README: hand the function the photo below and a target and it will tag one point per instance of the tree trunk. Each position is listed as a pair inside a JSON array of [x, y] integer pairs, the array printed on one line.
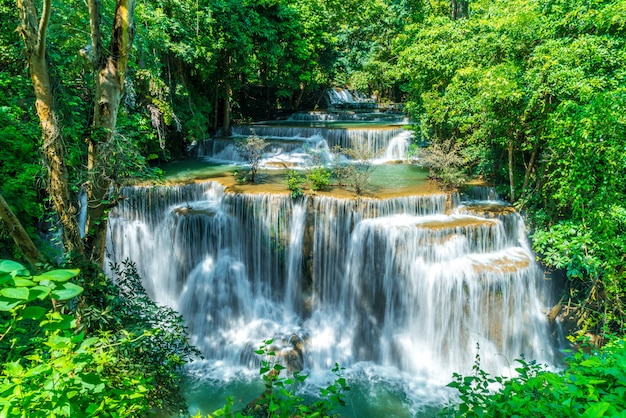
[[19, 235], [511, 173], [53, 151], [226, 120], [459, 9], [110, 73], [531, 166], [299, 99]]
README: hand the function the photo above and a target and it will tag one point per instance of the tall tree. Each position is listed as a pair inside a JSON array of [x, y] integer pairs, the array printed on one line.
[[110, 71], [33, 30]]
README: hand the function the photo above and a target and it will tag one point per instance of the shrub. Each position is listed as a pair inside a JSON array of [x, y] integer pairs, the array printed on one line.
[[48, 368], [280, 398], [295, 181], [318, 178], [358, 173], [593, 384], [444, 162]]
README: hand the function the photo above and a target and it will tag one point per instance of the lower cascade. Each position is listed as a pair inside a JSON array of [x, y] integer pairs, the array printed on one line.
[[402, 289]]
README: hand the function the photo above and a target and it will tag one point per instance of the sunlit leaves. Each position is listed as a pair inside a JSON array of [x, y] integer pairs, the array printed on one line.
[[47, 368], [593, 385]]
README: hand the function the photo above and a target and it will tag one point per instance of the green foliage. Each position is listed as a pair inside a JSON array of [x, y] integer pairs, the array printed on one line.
[[295, 181], [593, 384], [533, 94], [49, 369], [281, 398], [318, 178], [121, 308]]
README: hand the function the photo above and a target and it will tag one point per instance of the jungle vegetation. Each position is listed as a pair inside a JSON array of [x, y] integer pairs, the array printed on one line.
[[527, 95]]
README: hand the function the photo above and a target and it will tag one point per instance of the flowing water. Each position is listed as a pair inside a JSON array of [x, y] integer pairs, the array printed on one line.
[[400, 291]]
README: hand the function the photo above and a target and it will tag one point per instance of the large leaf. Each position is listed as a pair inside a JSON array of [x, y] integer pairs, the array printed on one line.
[[66, 291], [33, 312], [14, 268], [7, 304], [20, 293], [22, 282], [57, 275], [39, 292]]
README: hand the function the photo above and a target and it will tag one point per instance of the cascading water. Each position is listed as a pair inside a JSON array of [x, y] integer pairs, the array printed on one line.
[[397, 290], [291, 142]]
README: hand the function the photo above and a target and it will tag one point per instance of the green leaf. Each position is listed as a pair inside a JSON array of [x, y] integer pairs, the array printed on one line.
[[57, 275], [14, 268], [66, 291], [92, 408], [597, 410], [39, 292], [20, 293], [33, 312], [21, 282], [7, 305]]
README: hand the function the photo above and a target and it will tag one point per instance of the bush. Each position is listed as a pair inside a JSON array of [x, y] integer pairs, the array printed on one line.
[[357, 174], [444, 162], [50, 369], [121, 307], [294, 183], [592, 385], [280, 398], [318, 178]]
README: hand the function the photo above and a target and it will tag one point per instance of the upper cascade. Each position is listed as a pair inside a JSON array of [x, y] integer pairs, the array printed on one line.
[[312, 136], [342, 98]]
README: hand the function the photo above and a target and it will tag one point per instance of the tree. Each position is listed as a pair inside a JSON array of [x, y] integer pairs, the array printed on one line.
[[532, 92], [251, 150], [33, 30], [110, 73]]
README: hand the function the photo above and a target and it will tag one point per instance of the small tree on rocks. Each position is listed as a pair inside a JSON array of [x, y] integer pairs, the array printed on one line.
[[251, 150]]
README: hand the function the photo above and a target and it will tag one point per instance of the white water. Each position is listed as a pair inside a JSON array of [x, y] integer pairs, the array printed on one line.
[[288, 148], [343, 97], [398, 291]]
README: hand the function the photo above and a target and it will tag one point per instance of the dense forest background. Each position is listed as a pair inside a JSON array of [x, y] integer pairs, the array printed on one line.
[[530, 94]]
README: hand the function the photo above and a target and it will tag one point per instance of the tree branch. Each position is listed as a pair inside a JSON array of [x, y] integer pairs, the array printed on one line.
[[43, 28], [19, 235]]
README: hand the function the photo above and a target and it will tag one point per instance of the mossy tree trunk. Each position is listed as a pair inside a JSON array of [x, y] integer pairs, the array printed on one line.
[[110, 73], [33, 30]]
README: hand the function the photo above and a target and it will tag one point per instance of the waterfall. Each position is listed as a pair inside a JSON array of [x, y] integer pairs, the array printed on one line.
[[408, 283], [341, 97], [293, 144]]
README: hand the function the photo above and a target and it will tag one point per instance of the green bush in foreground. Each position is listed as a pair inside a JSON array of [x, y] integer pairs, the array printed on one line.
[[50, 370], [593, 384]]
